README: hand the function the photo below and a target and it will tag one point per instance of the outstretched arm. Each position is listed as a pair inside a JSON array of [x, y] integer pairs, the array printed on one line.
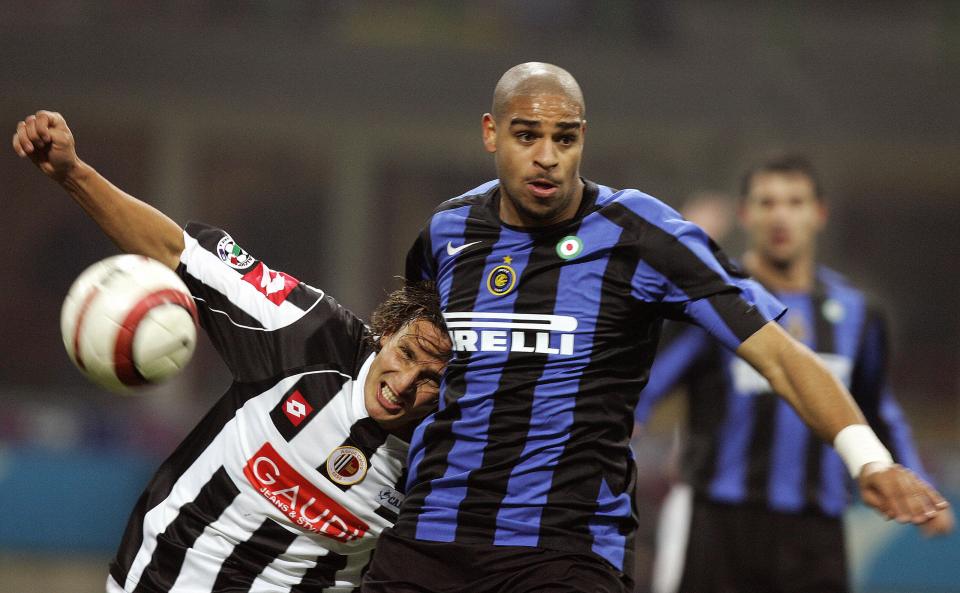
[[134, 226], [796, 374]]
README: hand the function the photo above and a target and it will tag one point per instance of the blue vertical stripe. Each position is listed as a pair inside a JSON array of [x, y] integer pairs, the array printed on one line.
[[735, 432]]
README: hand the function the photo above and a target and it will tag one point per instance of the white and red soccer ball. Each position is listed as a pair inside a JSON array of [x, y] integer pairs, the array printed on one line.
[[127, 321]]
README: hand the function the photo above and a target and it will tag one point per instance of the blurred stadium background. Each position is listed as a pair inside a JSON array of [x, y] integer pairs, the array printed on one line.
[[321, 133]]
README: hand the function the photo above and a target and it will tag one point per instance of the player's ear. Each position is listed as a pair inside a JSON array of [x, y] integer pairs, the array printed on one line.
[[488, 127]]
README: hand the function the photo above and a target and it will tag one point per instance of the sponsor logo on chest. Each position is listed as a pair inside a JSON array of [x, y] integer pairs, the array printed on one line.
[[511, 332], [302, 502]]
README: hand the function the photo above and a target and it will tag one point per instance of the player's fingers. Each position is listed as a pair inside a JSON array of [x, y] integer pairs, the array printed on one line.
[[25, 143], [901, 491], [16, 146], [44, 121], [910, 496], [31, 126], [920, 504]]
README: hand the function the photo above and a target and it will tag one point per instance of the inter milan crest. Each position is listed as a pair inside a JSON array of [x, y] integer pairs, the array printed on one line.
[[569, 247], [347, 465], [502, 279], [233, 254]]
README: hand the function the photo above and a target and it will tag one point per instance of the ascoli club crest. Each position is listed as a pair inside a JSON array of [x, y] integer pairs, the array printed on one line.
[[347, 465]]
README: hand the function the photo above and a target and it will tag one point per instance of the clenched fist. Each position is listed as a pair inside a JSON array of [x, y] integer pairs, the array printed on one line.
[[48, 142]]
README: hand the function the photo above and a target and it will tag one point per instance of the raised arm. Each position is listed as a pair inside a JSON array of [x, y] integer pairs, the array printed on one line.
[[796, 374], [134, 226]]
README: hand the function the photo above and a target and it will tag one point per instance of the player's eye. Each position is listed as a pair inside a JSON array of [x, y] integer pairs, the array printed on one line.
[[568, 139], [524, 136]]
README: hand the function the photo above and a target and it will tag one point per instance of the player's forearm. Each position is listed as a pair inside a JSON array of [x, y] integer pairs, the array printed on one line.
[[797, 375], [817, 395], [134, 226]]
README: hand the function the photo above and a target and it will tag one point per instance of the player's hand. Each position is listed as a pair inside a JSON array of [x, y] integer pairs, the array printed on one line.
[[48, 142], [941, 524], [899, 494]]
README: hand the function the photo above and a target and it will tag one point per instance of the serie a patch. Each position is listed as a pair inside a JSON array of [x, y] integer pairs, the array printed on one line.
[[233, 255]]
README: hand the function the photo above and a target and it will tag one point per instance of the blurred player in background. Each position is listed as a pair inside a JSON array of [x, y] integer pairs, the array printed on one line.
[[767, 495], [287, 482], [554, 289]]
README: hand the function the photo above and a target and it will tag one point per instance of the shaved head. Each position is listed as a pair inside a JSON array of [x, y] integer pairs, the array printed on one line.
[[535, 78]]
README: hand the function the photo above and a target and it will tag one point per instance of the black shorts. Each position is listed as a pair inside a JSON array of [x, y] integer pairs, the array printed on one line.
[[403, 565], [749, 549]]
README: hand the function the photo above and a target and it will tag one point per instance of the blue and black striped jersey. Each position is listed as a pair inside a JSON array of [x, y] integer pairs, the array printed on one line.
[[554, 331], [748, 446]]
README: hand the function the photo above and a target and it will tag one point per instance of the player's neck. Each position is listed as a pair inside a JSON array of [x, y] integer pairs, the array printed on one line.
[[798, 275]]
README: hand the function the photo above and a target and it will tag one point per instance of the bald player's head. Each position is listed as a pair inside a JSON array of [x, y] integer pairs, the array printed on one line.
[[535, 78]]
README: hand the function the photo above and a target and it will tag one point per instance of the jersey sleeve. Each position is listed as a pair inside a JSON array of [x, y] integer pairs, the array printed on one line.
[[419, 263], [261, 321], [683, 269], [870, 387]]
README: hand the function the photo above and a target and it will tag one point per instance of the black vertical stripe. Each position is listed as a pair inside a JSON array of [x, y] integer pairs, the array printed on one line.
[[870, 374], [824, 333], [761, 441], [709, 386], [322, 574], [367, 436], [462, 296], [509, 419], [418, 264], [249, 558], [179, 536]]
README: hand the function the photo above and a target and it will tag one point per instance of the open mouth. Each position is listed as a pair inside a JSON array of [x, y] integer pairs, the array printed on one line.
[[389, 400], [542, 188]]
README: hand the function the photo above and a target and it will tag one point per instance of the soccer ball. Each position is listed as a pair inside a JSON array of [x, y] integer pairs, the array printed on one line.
[[127, 321]]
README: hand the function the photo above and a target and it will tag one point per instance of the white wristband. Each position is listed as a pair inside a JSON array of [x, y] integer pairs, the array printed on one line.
[[858, 445]]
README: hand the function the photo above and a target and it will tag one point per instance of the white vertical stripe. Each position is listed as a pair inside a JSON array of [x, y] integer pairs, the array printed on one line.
[[184, 491]]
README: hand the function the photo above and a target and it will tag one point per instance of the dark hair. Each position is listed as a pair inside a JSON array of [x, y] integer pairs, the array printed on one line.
[[416, 300], [783, 163]]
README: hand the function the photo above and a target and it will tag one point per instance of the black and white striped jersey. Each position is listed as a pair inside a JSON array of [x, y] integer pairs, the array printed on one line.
[[287, 482]]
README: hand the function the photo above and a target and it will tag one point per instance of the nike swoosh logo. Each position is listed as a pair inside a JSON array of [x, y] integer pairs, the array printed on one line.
[[451, 250]]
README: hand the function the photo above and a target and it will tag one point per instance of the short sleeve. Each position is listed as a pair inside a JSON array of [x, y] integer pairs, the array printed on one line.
[[263, 321], [683, 269], [418, 263]]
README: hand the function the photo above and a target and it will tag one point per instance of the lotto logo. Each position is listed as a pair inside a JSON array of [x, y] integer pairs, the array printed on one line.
[[296, 408], [276, 286]]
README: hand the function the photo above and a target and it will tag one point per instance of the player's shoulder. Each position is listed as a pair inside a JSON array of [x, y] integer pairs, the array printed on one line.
[[214, 261], [640, 204], [636, 211], [220, 243], [477, 195]]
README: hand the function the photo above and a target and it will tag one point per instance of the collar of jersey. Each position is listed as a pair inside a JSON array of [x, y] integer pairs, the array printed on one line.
[[587, 205]]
